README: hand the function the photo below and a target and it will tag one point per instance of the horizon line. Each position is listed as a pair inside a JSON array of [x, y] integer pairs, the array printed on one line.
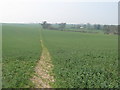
[[52, 23]]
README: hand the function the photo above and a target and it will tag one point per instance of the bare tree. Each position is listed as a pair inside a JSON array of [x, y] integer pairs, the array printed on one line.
[[45, 25]]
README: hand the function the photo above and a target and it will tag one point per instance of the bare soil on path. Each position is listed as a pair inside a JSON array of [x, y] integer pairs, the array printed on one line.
[[43, 71]]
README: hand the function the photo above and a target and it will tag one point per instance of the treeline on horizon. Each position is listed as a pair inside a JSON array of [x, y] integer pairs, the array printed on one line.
[[85, 28], [107, 29]]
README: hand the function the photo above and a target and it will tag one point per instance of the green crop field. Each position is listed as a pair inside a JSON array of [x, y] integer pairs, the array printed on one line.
[[81, 60], [21, 51]]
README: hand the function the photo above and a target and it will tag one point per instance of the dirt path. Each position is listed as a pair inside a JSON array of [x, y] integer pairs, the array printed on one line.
[[43, 71]]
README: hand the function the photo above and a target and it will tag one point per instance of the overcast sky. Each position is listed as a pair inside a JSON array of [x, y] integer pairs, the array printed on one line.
[[72, 11]]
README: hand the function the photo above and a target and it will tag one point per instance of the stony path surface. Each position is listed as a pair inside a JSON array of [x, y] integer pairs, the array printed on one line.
[[43, 71]]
